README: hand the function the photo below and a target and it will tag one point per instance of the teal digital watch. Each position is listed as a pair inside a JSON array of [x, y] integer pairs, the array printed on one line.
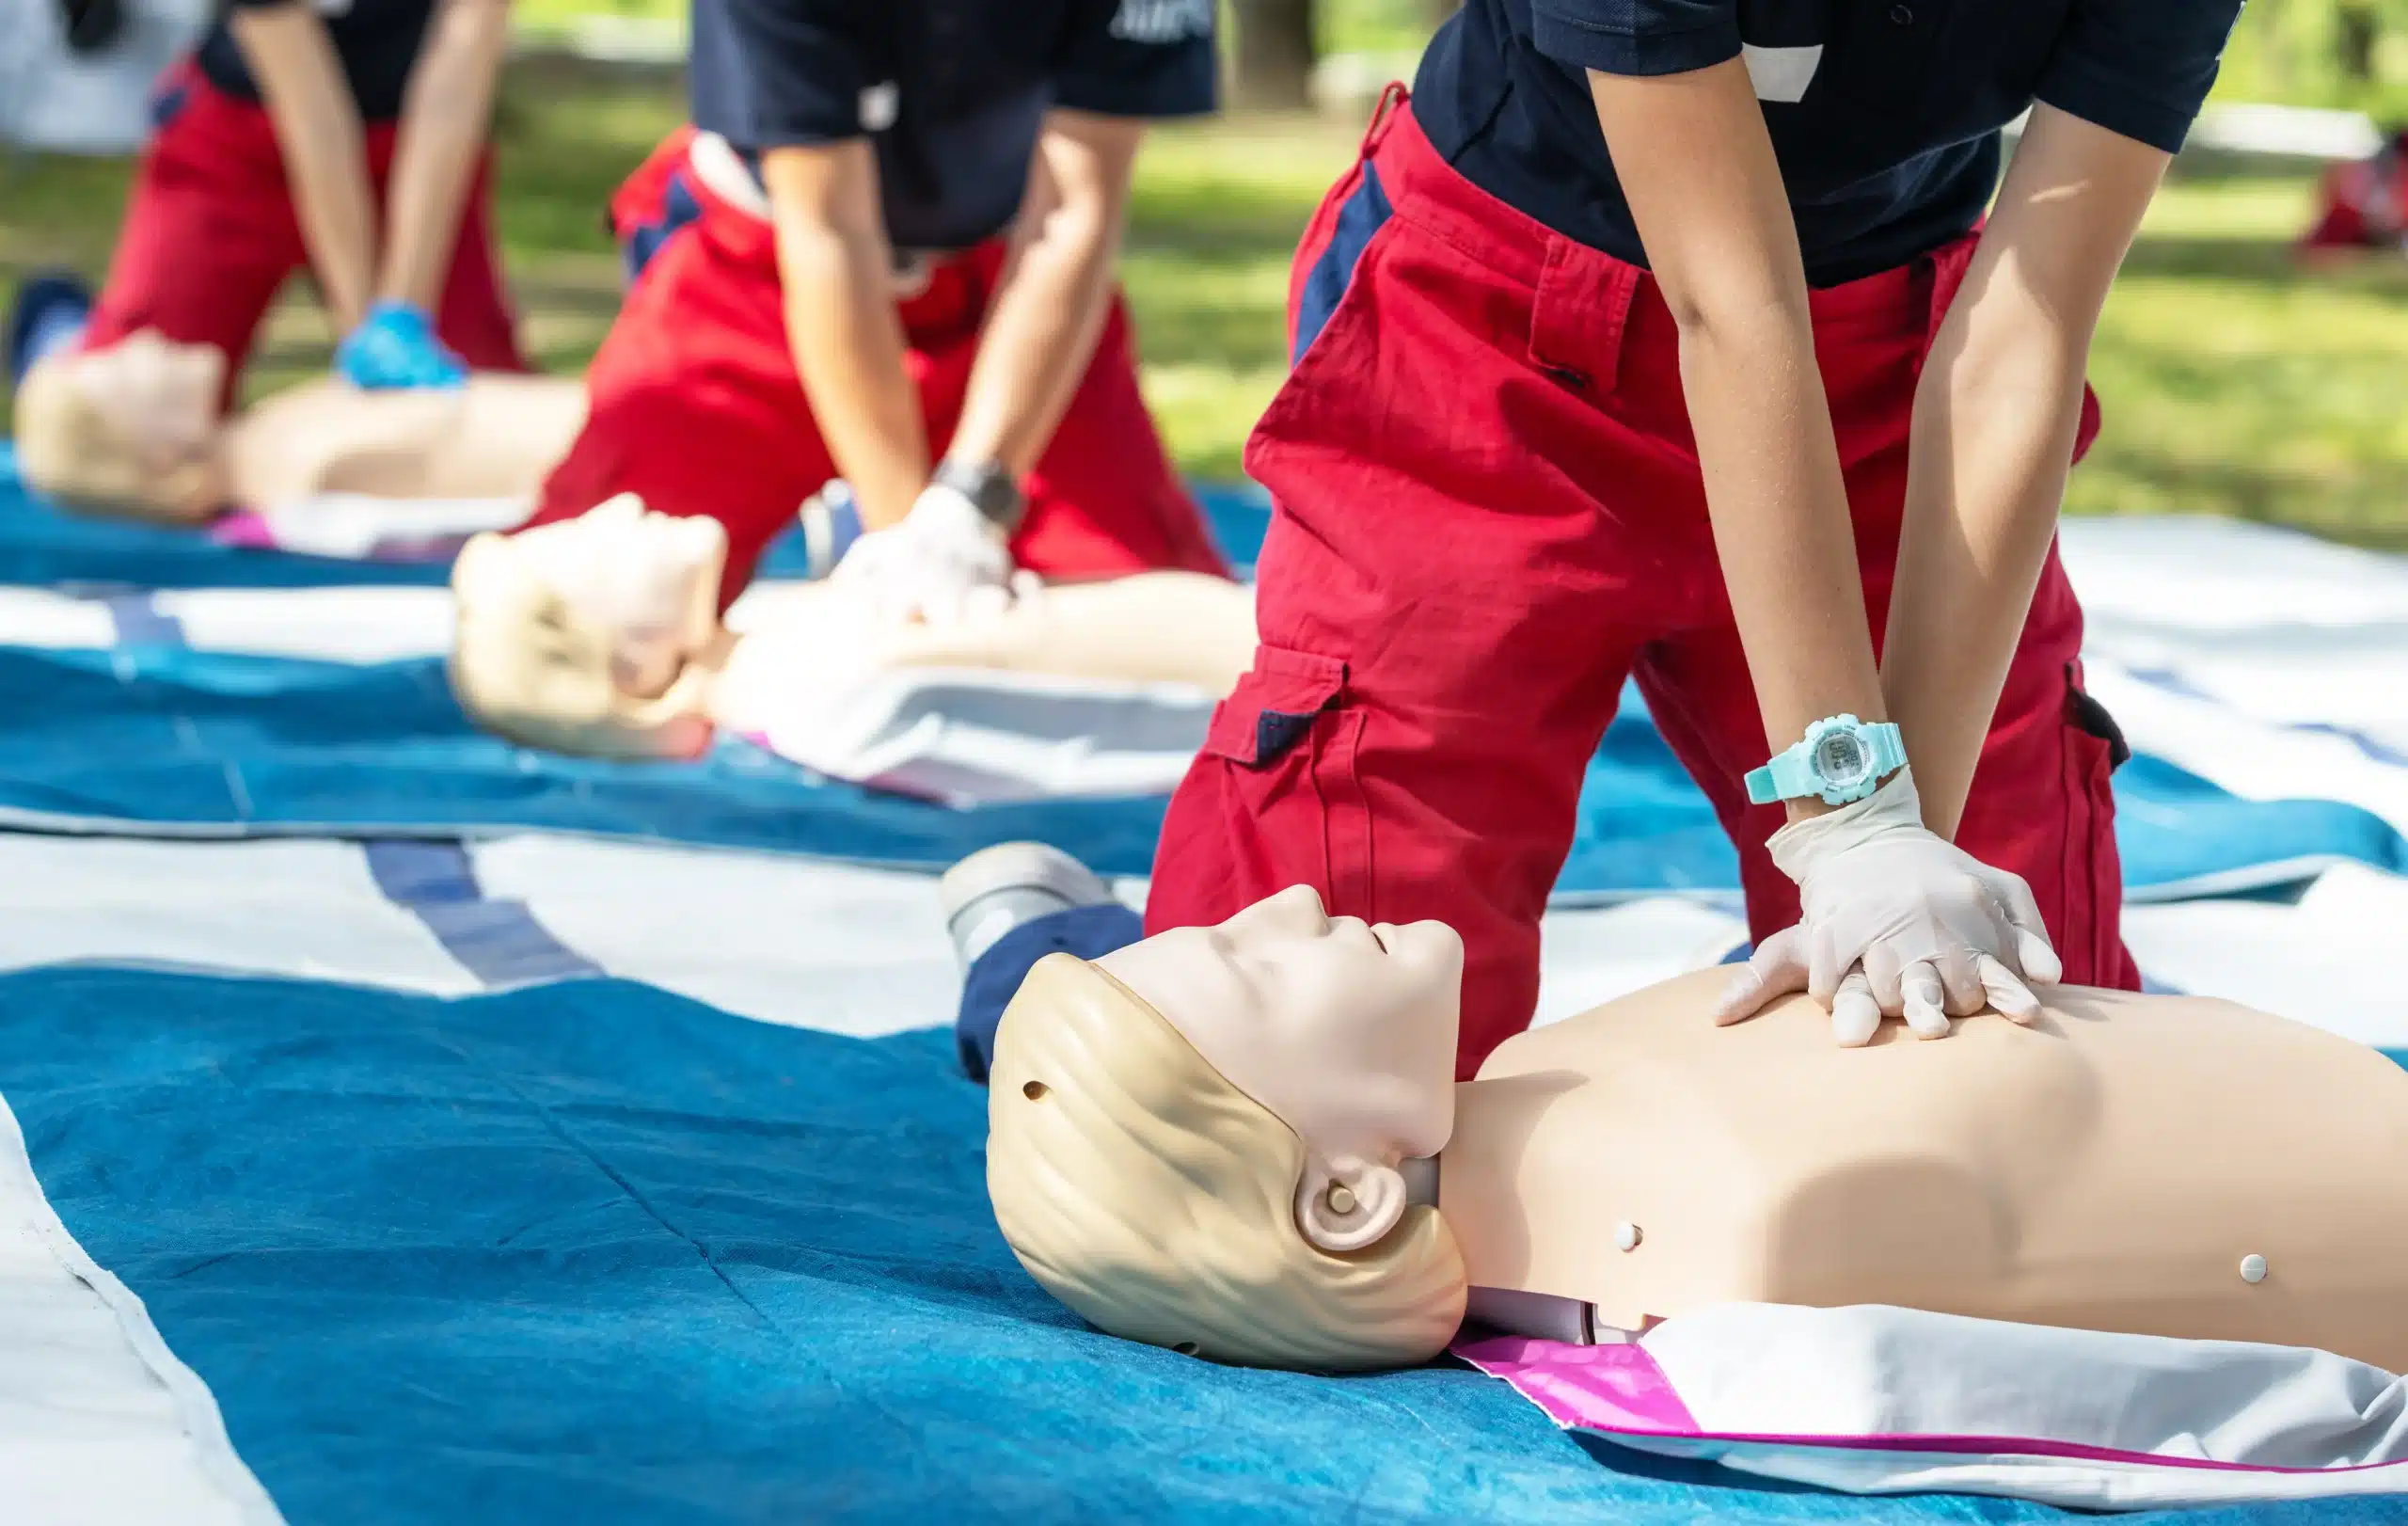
[[1841, 760]]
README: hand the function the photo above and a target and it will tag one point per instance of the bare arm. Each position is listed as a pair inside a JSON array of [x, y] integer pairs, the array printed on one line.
[[837, 271], [1050, 305], [1994, 424], [1697, 165], [444, 114], [318, 133]]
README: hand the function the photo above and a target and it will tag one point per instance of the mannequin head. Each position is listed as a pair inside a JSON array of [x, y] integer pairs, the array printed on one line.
[[1195, 1141], [130, 429], [580, 636]]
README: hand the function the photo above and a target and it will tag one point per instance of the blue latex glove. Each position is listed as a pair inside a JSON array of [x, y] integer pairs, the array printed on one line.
[[395, 346]]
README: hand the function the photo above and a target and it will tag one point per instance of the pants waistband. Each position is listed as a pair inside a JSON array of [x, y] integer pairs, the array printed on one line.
[[1433, 194]]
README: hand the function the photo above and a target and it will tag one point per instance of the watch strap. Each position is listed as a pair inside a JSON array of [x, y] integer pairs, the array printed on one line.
[[1790, 773], [1888, 747], [989, 487]]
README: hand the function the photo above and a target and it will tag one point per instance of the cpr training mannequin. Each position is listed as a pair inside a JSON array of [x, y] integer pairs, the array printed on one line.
[[132, 430], [600, 635], [1242, 1141]]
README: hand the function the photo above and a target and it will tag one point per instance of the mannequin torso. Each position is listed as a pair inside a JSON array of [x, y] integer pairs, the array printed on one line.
[[2108, 1168]]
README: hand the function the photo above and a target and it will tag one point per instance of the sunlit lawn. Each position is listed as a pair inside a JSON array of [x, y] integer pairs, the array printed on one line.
[[2233, 383]]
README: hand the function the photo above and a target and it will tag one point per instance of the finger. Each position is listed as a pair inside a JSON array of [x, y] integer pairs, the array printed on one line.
[[2041, 963], [2008, 996], [1882, 969], [1960, 979], [1921, 994], [1827, 965], [1774, 970], [2032, 949], [1855, 1015]]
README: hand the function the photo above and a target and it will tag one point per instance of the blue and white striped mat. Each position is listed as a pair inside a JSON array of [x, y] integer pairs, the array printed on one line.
[[365, 1157]]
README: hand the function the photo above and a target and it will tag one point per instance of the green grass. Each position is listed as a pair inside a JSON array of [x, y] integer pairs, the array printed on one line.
[[2233, 383]]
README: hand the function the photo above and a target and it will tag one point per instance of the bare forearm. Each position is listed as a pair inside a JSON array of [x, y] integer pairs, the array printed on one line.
[[1995, 426], [1706, 192], [847, 346], [319, 137], [1779, 511], [1995, 419], [445, 116], [1039, 339]]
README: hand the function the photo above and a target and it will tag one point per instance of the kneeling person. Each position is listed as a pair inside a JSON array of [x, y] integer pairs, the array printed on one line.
[[888, 258]]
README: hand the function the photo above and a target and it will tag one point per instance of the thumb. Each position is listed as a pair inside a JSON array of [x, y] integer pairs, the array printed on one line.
[[1777, 968], [2032, 949]]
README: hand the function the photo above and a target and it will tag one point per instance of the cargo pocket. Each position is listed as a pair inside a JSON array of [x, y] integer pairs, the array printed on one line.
[[1295, 743]]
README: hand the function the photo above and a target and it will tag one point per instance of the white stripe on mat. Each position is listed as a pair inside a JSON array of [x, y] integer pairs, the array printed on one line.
[[775, 938], [779, 939], [2332, 961], [302, 908], [100, 1424], [863, 951]]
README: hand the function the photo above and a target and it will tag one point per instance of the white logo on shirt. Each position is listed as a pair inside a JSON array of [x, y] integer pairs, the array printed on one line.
[[879, 106], [1782, 73], [1162, 21]]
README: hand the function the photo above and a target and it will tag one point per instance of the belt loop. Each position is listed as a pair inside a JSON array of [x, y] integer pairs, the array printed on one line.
[[1392, 97], [1580, 315]]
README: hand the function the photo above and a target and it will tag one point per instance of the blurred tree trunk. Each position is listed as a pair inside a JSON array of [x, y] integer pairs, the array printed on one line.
[[2356, 29], [1436, 11], [1276, 55]]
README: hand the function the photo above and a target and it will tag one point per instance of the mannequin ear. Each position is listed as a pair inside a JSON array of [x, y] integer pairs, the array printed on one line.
[[1349, 1204]]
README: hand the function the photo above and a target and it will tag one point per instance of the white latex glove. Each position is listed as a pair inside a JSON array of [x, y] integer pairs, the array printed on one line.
[[931, 565], [1896, 921]]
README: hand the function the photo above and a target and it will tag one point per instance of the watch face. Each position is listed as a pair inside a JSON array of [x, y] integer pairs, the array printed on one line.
[[1841, 758]]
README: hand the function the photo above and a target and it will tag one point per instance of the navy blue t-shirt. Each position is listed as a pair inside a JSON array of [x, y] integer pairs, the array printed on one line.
[[1885, 114], [952, 92], [376, 39]]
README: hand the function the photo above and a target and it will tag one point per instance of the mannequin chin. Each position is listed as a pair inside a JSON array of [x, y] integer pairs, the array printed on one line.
[[2108, 1167], [130, 430]]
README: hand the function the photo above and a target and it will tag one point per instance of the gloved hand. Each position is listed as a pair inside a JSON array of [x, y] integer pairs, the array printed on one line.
[[1896, 921], [395, 346], [933, 565]]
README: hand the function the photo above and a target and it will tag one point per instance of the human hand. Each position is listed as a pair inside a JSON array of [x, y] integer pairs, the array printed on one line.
[[1895, 921], [942, 560], [395, 346]]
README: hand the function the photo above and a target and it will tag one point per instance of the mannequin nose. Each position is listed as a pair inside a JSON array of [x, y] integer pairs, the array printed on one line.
[[1298, 906]]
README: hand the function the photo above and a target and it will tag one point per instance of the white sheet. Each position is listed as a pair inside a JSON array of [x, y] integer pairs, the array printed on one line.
[[1764, 1370], [100, 1424]]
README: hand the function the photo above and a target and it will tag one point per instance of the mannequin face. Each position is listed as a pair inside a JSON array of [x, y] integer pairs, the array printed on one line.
[[1345, 1032], [651, 578], [136, 424]]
